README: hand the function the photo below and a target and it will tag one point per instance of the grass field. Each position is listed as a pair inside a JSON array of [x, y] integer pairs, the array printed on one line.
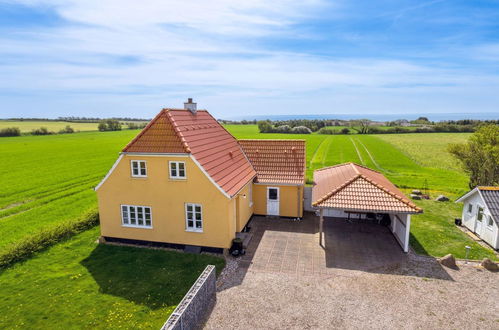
[[46, 180], [54, 126], [428, 149], [80, 284]]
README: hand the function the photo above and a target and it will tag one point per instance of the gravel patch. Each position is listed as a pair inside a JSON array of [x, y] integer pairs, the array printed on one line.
[[418, 294]]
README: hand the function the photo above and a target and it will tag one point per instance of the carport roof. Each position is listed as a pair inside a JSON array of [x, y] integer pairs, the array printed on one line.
[[354, 187]]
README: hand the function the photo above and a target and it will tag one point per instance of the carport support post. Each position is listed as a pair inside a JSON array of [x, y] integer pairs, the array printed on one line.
[[321, 221], [407, 231]]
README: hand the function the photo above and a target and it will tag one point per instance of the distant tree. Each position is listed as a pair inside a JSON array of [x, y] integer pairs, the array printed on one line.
[[345, 131], [363, 125], [480, 156], [301, 130], [102, 126], [113, 125], [41, 131], [423, 119], [67, 130], [264, 126]]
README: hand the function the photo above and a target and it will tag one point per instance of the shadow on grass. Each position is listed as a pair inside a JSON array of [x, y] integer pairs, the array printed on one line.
[[416, 246], [154, 278]]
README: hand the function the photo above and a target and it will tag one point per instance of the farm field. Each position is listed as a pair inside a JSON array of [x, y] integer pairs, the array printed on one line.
[[46, 180], [55, 126], [428, 149], [80, 284]]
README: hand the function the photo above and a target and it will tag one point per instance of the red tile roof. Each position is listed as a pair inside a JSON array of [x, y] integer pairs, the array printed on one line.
[[277, 161], [215, 149], [353, 187]]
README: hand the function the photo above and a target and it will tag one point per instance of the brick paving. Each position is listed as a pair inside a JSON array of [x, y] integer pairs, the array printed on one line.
[[292, 247]]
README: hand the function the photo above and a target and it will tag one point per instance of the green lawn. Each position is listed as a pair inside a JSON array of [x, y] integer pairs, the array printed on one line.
[[80, 284]]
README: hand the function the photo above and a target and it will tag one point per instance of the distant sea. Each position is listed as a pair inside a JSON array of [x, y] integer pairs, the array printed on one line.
[[378, 117]]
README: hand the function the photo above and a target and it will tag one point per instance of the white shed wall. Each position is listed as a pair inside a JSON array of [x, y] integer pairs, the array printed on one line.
[[489, 234], [400, 226]]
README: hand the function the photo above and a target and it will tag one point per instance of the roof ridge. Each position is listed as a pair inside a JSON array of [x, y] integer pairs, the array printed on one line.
[[354, 168], [488, 187], [293, 140], [177, 130], [335, 191], [400, 198]]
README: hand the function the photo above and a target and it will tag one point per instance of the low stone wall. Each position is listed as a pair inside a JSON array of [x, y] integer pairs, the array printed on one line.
[[197, 303]]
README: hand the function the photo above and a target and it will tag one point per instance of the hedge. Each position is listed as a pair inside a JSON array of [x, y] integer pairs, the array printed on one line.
[[25, 248]]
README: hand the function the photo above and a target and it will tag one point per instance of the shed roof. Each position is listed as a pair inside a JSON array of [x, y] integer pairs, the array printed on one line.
[[202, 136], [491, 198], [276, 161], [354, 187]]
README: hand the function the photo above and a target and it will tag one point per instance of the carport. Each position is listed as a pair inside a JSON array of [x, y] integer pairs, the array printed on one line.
[[350, 190]]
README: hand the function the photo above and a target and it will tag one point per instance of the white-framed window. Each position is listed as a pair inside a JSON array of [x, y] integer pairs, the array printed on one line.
[[139, 168], [177, 170], [136, 216], [470, 208], [490, 221], [193, 217], [479, 215]]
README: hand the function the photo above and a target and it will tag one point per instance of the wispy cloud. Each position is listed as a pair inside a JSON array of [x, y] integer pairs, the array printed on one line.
[[110, 57]]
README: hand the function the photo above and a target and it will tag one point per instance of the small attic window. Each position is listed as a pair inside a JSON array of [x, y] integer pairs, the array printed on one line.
[[139, 168], [177, 170]]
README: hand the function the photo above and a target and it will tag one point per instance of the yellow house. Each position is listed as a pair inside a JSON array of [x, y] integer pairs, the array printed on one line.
[[186, 181]]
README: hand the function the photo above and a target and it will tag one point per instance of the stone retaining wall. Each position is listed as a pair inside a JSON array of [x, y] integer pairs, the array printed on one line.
[[197, 303]]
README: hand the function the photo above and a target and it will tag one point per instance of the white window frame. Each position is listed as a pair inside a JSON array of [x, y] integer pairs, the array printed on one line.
[[490, 221], [177, 165], [126, 219], [470, 208], [138, 162], [193, 228], [278, 193]]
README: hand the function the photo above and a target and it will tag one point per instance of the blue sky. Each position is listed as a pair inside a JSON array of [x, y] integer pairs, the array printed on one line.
[[241, 58]]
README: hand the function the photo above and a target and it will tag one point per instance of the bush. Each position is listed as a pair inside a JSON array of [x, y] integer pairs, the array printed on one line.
[[41, 131], [67, 130], [301, 130], [264, 126], [345, 131], [109, 125], [326, 131], [282, 129], [136, 125], [37, 242], [10, 131]]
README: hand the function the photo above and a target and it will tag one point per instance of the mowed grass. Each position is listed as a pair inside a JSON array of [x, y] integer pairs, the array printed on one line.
[[46, 180], [54, 126], [428, 149], [80, 284]]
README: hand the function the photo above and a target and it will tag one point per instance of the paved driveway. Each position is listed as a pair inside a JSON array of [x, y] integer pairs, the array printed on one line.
[[288, 282], [283, 245]]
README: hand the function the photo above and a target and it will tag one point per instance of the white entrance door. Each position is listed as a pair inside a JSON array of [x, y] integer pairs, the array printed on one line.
[[272, 201], [479, 220]]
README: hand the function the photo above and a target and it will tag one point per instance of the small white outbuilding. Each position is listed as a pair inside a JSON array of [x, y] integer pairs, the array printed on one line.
[[481, 213]]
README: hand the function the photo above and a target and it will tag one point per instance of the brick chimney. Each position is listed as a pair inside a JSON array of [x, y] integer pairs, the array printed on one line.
[[191, 106]]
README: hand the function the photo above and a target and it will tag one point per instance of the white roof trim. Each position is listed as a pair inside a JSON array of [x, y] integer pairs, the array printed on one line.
[[209, 177], [278, 184], [365, 211], [109, 173], [468, 194]]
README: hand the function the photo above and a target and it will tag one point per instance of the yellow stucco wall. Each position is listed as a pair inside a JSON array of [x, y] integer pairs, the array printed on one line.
[[290, 200], [244, 207], [167, 199]]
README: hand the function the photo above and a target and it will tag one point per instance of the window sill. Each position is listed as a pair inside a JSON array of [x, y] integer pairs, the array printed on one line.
[[178, 179], [139, 227], [194, 230], [139, 177]]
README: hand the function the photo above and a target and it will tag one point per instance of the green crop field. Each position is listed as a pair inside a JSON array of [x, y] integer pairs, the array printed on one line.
[[428, 149], [54, 126]]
